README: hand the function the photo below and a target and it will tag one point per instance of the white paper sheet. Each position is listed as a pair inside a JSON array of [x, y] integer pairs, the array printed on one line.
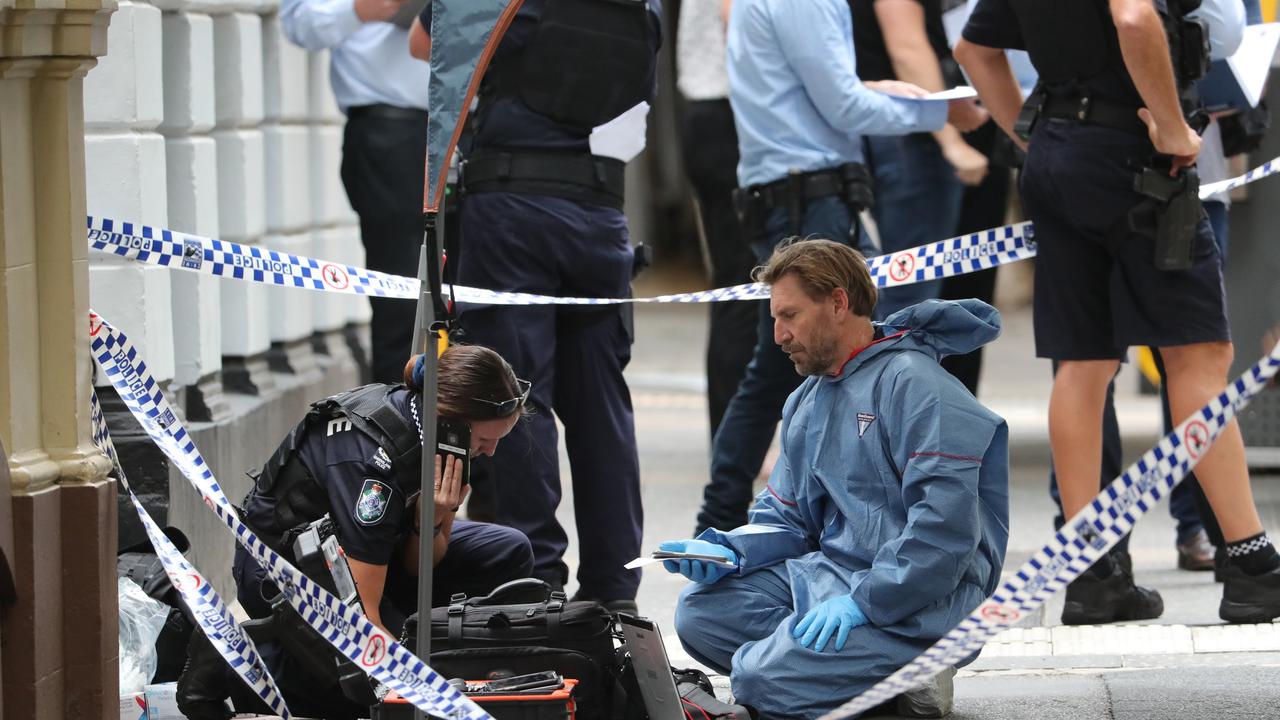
[[1252, 60], [622, 137], [956, 93]]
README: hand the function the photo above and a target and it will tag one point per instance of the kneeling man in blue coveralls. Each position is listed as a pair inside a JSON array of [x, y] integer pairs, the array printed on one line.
[[885, 520]]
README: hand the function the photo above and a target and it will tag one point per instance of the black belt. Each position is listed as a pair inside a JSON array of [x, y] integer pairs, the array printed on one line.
[[813, 185], [383, 111], [573, 176], [1093, 111]]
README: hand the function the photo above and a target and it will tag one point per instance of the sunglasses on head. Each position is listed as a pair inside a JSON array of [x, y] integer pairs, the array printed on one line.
[[507, 407]]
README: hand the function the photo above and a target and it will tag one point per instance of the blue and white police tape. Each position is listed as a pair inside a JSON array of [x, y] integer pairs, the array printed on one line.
[[372, 650], [1270, 167], [203, 602], [1082, 540], [219, 258]]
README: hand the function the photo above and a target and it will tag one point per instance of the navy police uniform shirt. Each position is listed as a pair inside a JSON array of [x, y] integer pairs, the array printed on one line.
[[994, 24], [367, 504]]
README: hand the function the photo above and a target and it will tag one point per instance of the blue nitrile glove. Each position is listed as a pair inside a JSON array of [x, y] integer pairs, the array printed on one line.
[[836, 615], [697, 570]]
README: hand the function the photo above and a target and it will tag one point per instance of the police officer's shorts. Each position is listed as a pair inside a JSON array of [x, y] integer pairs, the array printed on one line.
[[1097, 290]]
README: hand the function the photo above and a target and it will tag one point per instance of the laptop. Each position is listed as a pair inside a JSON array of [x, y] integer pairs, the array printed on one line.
[[653, 670]]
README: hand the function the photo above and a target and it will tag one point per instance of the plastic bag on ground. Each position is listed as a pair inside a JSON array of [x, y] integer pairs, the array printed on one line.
[[141, 620]]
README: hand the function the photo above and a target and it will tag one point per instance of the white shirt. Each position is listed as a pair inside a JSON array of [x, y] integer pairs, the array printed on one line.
[[700, 51]]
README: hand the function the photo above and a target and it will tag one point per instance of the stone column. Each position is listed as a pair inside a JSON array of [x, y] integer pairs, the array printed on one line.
[[288, 194], [125, 181], [191, 160], [336, 237], [60, 638], [237, 74]]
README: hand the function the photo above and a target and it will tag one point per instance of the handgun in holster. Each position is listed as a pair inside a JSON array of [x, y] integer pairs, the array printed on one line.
[[856, 181], [1171, 212], [318, 555], [745, 206]]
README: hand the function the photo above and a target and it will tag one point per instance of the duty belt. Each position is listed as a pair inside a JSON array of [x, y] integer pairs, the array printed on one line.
[[1088, 110], [574, 176], [813, 185], [850, 182]]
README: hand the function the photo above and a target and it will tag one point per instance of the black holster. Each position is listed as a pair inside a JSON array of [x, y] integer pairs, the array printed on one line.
[[1171, 213], [1029, 114]]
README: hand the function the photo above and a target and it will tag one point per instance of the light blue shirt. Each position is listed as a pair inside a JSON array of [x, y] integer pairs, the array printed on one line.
[[797, 100], [369, 62], [1226, 22]]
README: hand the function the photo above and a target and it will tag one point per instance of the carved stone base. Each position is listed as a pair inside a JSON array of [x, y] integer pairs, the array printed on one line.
[[247, 375], [146, 466], [206, 401], [355, 336], [296, 357]]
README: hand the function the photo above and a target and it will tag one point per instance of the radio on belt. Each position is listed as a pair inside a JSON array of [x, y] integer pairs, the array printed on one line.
[[321, 558]]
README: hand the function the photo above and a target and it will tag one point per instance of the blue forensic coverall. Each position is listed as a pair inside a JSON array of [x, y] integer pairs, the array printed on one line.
[[892, 487]]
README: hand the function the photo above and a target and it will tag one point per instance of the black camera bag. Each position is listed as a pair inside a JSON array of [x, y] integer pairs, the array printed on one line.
[[523, 627]]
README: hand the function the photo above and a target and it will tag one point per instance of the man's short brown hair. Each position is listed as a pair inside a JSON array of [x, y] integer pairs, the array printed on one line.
[[821, 266]]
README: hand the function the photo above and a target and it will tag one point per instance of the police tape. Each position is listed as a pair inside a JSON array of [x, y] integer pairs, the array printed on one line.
[[203, 602], [220, 258], [1083, 539], [370, 648], [1268, 168]]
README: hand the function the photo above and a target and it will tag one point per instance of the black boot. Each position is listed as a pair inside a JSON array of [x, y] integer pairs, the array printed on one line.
[[1093, 599], [1249, 598], [202, 689]]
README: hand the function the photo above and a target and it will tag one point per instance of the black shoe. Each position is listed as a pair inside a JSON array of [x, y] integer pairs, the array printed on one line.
[[1094, 600], [554, 579], [627, 607], [1249, 598], [202, 689], [614, 607], [1124, 559], [1196, 553]]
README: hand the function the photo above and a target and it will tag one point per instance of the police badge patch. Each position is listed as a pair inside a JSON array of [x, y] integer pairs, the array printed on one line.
[[372, 503], [381, 460]]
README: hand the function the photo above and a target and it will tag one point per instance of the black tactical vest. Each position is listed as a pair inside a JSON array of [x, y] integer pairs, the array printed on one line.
[[299, 498], [587, 62]]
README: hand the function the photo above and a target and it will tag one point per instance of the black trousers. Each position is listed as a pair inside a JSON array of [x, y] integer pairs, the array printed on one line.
[[710, 144], [982, 207], [383, 158], [575, 357]]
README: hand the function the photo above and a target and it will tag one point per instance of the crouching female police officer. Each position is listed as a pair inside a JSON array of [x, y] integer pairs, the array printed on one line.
[[354, 459]]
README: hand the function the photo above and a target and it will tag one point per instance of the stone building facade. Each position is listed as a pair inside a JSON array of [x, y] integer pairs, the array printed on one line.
[[203, 118]]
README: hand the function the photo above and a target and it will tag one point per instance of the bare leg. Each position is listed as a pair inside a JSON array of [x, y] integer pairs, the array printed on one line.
[[1197, 373], [1075, 428]]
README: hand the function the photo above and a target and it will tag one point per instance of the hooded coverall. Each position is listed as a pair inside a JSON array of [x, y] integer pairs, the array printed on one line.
[[892, 487]]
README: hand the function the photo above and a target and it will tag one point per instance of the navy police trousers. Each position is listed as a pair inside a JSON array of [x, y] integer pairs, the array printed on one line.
[[574, 356]]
